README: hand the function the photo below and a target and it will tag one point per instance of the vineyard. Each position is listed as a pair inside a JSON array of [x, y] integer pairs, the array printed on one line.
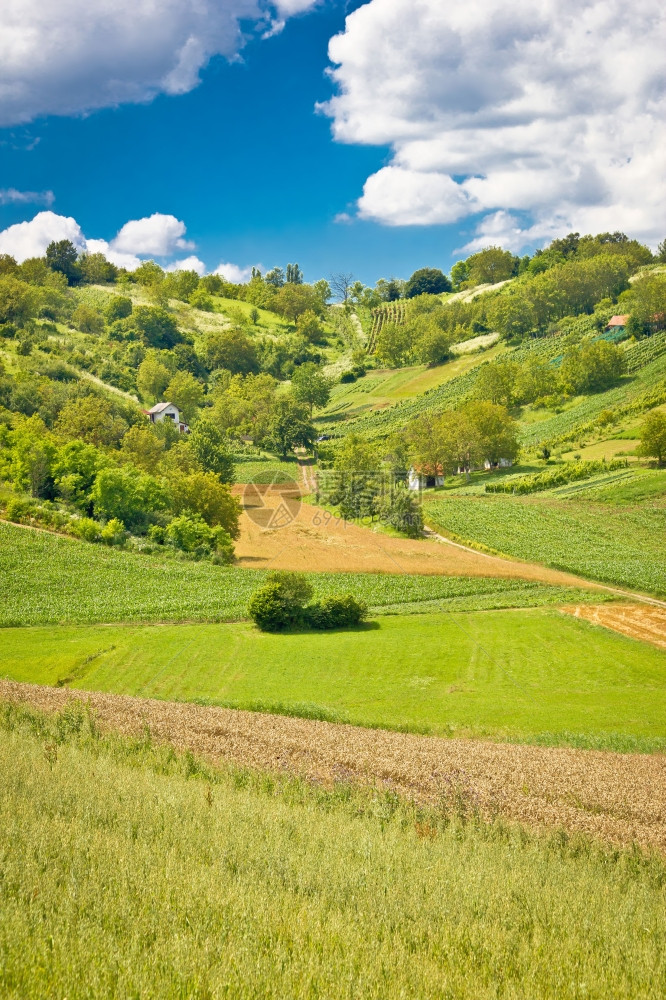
[[568, 473], [645, 387], [615, 544], [390, 312]]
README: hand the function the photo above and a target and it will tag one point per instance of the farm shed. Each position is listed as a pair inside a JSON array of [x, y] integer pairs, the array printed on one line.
[[617, 323], [419, 479]]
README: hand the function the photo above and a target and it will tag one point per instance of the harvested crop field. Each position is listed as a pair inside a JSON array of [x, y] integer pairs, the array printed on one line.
[[280, 532], [620, 798], [637, 621]]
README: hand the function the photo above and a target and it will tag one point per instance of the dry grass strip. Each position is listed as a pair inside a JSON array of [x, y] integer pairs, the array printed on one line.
[[620, 798], [637, 621]]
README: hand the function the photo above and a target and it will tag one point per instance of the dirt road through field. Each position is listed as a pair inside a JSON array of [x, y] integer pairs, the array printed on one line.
[[620, 798]]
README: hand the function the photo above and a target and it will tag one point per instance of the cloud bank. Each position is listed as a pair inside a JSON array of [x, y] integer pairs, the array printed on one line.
[[70, 56], [539, 118], [139, 239]]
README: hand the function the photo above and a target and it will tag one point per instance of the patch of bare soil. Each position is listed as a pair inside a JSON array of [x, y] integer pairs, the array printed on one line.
[[280, 532], [639, 621], [620, 798]]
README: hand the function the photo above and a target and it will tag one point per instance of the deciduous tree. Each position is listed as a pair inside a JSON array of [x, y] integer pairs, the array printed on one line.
[[309, 385], [427, 281], [210, 446], [290, 426], [653, 436]]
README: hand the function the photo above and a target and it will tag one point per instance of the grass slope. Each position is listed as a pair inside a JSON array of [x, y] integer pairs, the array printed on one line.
[[49, 579], [129, 872], [382, 387], [621, 543], [535, 675]]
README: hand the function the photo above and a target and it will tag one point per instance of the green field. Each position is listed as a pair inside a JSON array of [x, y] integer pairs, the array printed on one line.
[[49, 579], [377, 413], [615, 534], [382, 387], [130, 872], [264, 468], [537, 675]]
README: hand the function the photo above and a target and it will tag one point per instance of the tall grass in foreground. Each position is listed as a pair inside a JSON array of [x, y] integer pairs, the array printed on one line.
[[128, 871]]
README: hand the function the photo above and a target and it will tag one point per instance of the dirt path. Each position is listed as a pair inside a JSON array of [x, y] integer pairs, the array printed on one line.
[[308, 477], [639, 622], [641, 598], [105, 385], [620, 798]]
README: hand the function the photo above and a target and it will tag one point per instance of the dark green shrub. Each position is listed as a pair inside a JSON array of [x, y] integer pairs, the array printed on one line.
[[17, 509], [336, 612], [281, 604], [348, 377], [269, 610]]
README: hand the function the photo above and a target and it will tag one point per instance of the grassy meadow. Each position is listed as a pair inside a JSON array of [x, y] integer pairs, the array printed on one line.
[[539, 675], [128, 871], [49, 579]]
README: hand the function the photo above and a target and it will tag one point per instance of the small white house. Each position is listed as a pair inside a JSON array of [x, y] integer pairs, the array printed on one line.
[[167, 411], [504, 463], [418, 480]]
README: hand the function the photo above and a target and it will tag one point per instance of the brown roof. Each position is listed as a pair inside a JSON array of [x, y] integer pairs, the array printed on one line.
[[618, 321], [426, 470]]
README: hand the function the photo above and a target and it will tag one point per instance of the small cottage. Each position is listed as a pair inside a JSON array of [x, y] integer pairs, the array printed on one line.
[[418, 478], [503, 463], [617, 323], [167, 411]]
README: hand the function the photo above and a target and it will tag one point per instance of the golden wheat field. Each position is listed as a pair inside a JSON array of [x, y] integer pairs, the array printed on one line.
[[618, 798]]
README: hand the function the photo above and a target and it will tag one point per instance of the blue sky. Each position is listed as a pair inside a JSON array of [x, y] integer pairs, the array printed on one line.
[[257, 176]]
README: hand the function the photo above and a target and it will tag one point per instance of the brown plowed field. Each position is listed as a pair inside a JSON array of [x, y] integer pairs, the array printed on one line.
[[279, 532], [639, 621], [620, 798]]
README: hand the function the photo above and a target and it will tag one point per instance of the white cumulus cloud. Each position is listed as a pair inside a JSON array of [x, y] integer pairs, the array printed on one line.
[[139, 239], [72, 56], [156, 234], [540, 117], [127, 260], [188, 264], [403, 197], [30, 239], [232, 272]]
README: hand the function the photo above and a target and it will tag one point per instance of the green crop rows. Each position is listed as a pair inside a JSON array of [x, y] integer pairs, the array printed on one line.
[[647, 382], [47, 579], [616, 544]]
